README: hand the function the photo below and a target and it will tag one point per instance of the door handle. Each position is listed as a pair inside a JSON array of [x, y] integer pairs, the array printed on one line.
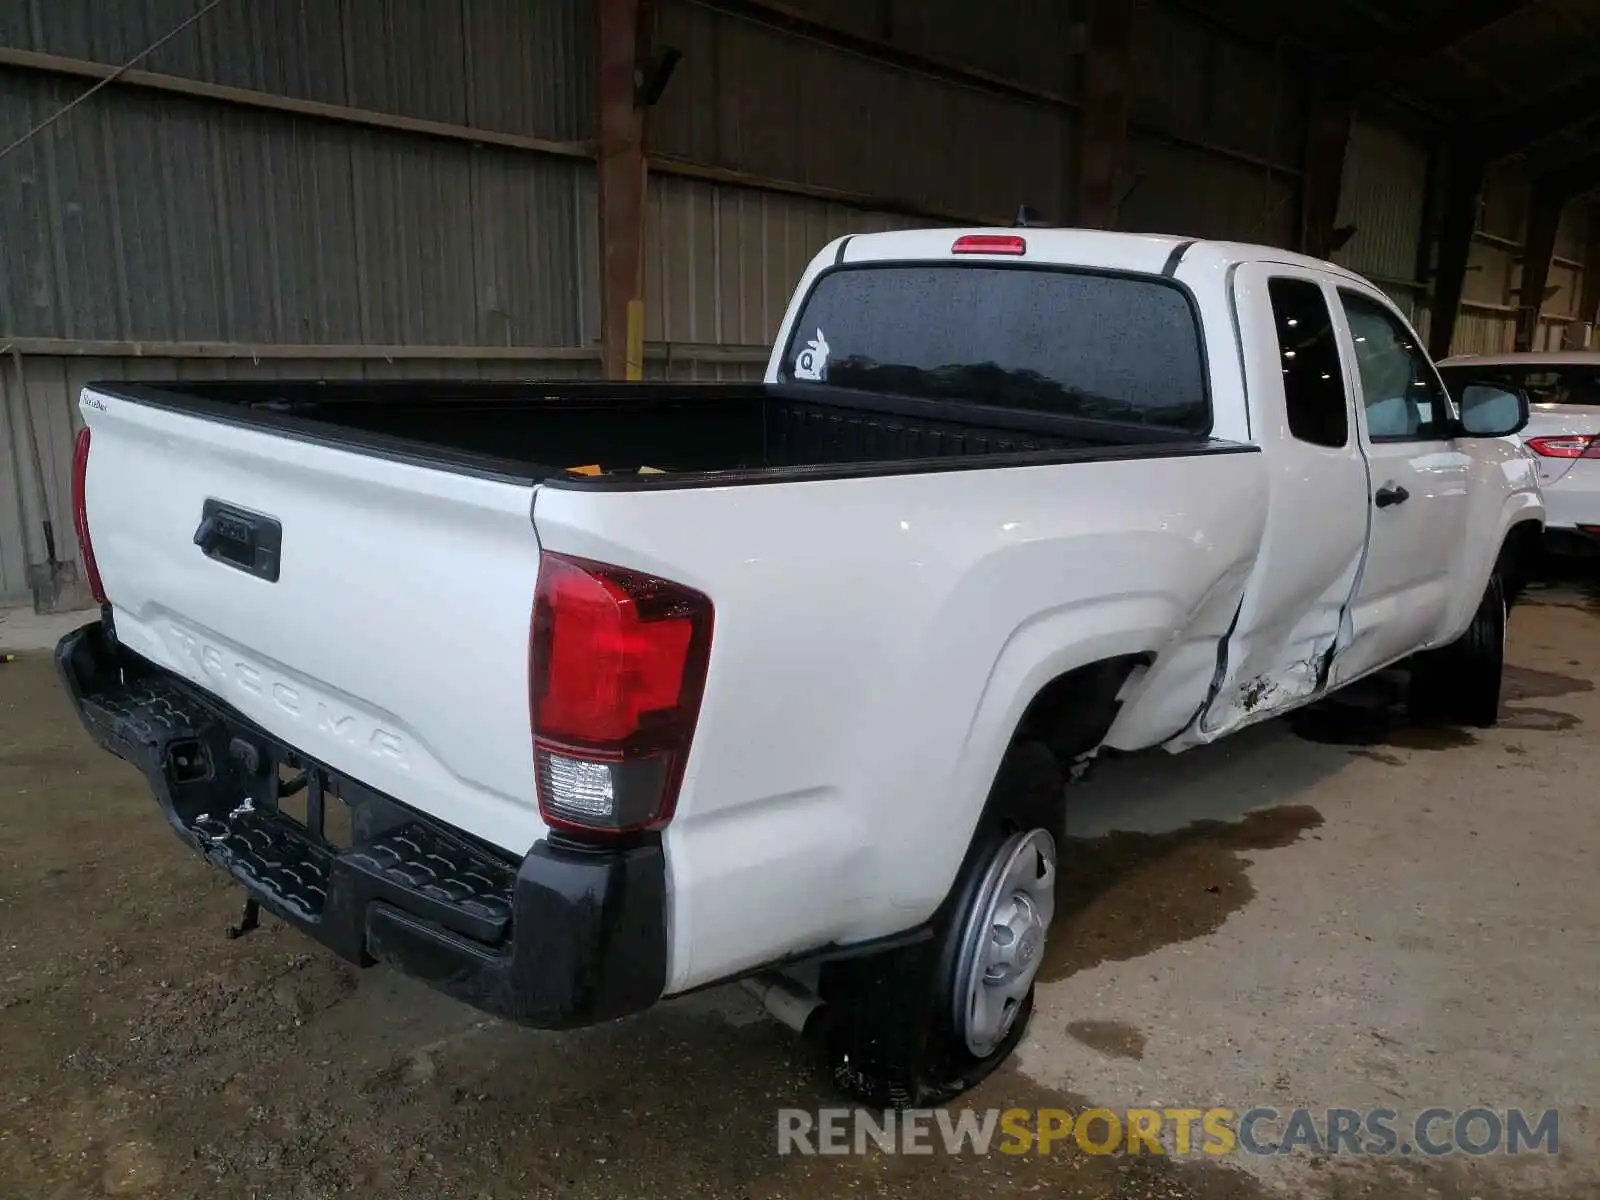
[[1389, 496]]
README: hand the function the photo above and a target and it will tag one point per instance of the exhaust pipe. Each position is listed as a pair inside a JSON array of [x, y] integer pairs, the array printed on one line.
[[788, 1000]]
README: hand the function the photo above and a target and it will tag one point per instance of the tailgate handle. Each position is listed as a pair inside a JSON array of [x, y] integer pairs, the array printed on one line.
[[247, 541]]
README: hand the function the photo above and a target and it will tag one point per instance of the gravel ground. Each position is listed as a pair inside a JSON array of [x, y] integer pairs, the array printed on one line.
[[1345, 911]]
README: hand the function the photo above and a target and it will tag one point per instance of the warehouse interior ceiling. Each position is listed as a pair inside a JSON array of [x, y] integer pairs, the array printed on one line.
[[1515, 77]]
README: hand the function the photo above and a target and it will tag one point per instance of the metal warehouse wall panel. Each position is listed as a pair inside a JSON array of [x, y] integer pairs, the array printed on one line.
[[37, 411], [1491, 274], [1505, 203], [1572, 233], [1384, 195], [1183, 190], [1196, 84], [156, 217], [1482, 333], [1022, 41], [517, 66], [1028, 41], [757, 100], [721, 262], [17, 485], [1566, 281]]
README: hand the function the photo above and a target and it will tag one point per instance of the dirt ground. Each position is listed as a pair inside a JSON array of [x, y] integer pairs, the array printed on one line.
[[1338, 911]]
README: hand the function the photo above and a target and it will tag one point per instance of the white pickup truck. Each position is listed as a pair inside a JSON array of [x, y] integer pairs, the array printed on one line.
[[628, 689]]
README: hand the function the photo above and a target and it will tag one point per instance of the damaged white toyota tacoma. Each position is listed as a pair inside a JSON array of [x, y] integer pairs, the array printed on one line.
[[566, 698]]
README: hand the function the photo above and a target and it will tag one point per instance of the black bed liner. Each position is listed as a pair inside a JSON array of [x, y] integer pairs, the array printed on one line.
[[698, 434]]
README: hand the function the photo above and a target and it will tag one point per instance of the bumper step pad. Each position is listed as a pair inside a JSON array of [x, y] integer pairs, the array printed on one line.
[[147, 713], [229, 814], [268, 854], [442, 880], [567, 936]]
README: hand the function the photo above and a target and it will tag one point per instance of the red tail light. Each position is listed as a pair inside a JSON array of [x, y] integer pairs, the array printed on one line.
[[989, 243], [1575, 445], [618, 666], [80, 514]]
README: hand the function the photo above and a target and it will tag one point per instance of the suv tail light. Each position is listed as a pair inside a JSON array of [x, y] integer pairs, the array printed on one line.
[[1576, 445], [80, 513], [619, 665]]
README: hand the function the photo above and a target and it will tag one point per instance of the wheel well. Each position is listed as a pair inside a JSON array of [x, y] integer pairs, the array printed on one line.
[[1518, 556], [1073, 712]]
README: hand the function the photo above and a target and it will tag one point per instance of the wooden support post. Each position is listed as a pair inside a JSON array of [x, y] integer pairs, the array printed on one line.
[[1107, 83], [1539, 247], [622, 187], [1457, 221], [1322, 177]]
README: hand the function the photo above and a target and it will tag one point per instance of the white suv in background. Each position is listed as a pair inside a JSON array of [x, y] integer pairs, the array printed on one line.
[[1563, 431]]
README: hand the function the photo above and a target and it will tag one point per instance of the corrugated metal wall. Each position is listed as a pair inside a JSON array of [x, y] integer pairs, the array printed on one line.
[[151, 217], [721, 262], [1492, 294], [1562, 324], [206, 232], [752, 98], [722, 258], [1180, 190], [1027, 41], [1488, 320], [1216, 133], [1216, 137], [1384, 197], [518, 66]]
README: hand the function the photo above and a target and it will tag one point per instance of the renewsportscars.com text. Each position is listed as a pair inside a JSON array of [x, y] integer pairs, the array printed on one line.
[[1334, 1132]]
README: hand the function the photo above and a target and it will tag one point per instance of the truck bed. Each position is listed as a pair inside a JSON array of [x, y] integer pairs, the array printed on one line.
[[368, 601], [735, 432]]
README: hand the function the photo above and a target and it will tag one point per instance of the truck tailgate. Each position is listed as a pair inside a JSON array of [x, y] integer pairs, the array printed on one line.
[[393, 643]]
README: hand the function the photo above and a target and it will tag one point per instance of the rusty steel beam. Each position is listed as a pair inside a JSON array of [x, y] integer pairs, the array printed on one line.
[[1322, 176], [1544, 218], [1458, 218], [1107, 80], [621, 186]]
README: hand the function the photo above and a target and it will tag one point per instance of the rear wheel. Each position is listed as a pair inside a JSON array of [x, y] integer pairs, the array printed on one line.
[[1460, 683], [920, 1025]]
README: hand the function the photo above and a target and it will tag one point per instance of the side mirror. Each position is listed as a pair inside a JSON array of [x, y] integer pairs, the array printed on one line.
[[1489, 410]]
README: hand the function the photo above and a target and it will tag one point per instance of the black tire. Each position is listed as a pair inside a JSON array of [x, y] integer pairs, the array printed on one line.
[[1460, 683], [892, 1037]]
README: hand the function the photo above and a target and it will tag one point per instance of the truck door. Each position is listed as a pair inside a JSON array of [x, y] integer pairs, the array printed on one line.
[[1418, 499], [1303, 418]]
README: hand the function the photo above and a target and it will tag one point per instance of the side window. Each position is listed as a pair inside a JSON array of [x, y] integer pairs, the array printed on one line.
[[1402, 395], [1313, 382]]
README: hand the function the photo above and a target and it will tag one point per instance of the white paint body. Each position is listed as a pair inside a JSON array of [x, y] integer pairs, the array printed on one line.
[[876, 640], [1571, 486]]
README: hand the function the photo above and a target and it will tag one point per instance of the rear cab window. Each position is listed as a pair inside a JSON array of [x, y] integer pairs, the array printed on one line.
[[1308, 353], [1059, 340]]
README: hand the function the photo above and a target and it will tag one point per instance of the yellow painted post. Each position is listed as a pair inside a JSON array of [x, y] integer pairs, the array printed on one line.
[[635, 357]]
